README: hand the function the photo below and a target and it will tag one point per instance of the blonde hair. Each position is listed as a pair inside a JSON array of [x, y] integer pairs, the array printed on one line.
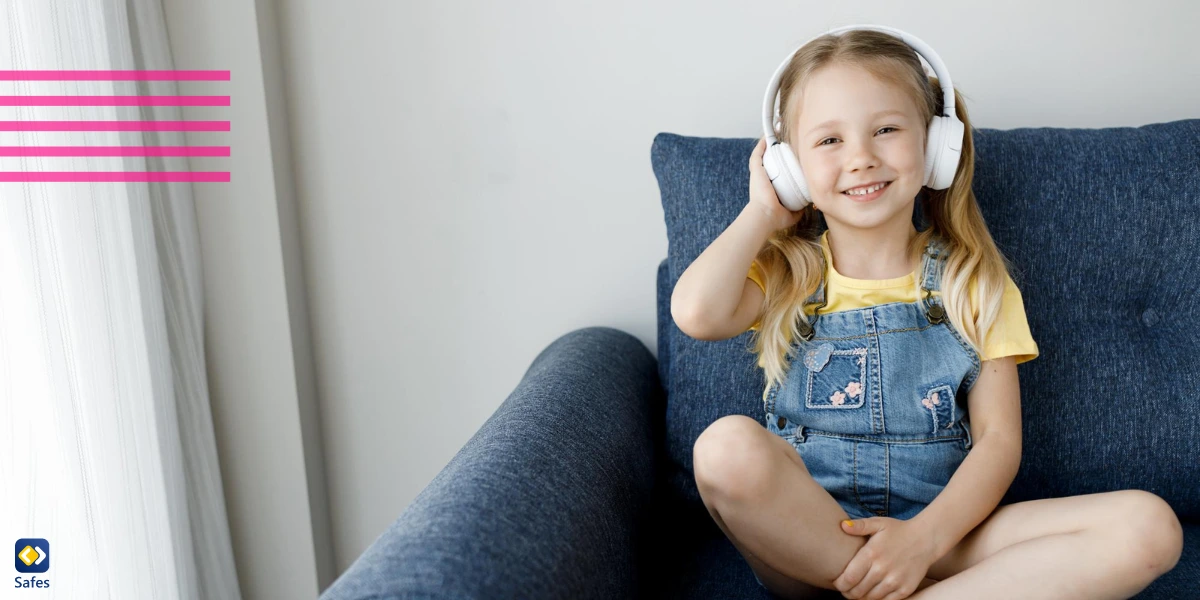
[[792, 261]]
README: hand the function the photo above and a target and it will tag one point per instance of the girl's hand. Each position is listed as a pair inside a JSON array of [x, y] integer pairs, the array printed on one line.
[[892, 563], [762, 193]]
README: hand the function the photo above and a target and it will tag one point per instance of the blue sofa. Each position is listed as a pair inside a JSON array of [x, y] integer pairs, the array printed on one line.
[[580, 485]]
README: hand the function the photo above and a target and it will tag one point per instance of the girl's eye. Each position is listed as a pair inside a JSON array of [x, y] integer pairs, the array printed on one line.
[[822, 142]]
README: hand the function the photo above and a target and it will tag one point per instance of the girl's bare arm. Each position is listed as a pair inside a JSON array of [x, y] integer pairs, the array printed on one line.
[[713, 299]]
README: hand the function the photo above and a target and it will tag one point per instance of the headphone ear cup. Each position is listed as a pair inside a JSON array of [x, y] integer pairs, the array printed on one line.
[[786, 177], [943, 151]]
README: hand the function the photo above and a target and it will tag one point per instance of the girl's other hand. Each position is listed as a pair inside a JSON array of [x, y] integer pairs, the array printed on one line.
[[762, 193], [893, 562]]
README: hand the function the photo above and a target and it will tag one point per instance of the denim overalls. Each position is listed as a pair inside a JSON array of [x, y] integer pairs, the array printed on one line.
[[875, 401]]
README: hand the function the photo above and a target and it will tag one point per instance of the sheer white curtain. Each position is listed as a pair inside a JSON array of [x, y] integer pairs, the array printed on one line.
[[106, 436]]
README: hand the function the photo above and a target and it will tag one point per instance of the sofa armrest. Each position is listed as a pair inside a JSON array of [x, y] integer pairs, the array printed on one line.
[[549, 499]]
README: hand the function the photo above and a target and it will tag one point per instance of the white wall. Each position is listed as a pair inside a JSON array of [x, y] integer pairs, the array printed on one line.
[[256, 326], [473, 178]]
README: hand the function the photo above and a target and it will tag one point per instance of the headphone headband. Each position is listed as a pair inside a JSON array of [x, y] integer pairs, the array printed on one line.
[[923, 49]]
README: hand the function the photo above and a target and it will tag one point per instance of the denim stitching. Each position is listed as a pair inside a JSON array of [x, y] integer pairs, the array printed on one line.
[[953, 406], [887, 478], [857, 498], [876, 376], [855, 337], [867, 438]]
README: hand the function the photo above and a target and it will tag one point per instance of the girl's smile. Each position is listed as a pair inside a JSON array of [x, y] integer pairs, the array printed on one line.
[[864, 198]]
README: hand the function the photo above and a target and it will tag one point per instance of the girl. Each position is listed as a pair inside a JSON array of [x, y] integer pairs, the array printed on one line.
[[890, 356]]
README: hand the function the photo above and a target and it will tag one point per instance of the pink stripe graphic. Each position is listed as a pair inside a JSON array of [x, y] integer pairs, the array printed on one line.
[[114, 75], [114, 125], [114, 100], [114, 176], [114, 150]]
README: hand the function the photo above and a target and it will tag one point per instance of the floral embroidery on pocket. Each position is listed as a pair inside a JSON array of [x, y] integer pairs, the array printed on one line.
[[939, 401], [836, 378], [930, 401]]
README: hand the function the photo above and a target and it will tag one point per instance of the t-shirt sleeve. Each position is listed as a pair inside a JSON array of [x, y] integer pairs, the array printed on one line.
[[756, 275], [1009, 335]]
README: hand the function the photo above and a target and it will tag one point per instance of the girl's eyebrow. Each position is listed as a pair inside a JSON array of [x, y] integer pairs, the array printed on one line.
[[881, 113]]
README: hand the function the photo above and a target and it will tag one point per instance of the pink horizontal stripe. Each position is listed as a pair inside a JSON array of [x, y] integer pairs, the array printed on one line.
[[114, 150], [110, 176], [129, 75], [114, 125], [114, 100]]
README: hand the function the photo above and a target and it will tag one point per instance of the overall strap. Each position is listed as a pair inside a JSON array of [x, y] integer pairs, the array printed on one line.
[[807, 329], [931, 280]]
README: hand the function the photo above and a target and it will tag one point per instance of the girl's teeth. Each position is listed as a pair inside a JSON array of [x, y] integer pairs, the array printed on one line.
[[866, 191]]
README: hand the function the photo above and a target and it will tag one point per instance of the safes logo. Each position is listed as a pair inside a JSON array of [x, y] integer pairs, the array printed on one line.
[[32, 556]]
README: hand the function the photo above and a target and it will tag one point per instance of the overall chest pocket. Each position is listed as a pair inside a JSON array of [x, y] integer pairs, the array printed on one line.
[[837, 377]]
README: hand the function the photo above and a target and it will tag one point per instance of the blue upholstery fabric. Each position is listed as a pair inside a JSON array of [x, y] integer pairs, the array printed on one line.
[[1103, 226], [549, 499]]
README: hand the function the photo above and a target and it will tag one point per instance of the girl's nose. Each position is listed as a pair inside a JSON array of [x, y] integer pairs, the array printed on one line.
[[862, 156]]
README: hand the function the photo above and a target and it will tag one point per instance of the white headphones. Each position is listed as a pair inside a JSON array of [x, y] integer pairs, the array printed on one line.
[[942, 149]]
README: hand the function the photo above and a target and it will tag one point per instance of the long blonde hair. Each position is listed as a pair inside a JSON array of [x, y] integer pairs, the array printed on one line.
[[791, 261]]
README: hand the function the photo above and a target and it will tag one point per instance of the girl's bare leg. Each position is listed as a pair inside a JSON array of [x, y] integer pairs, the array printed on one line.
[[779, 584], [1093, 546], [783, 522]]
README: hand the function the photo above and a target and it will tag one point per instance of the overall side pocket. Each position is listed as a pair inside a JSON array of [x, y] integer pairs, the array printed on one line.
[[938, 402]]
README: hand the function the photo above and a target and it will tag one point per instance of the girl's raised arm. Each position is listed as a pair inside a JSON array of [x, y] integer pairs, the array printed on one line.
[[714, 299]]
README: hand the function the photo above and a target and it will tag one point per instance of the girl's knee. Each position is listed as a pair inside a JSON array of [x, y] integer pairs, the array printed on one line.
[[727, 433], [1151, 529], [730, 458]]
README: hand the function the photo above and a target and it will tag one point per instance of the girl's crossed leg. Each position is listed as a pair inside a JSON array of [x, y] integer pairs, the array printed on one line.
[[1094, 546], [783, 522], [1105, 545]]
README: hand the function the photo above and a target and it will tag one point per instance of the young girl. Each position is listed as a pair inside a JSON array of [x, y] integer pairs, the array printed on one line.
[[890, 355]]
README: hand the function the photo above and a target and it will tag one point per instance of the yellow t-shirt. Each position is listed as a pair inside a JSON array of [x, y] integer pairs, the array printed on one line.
[[1009, 336]]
